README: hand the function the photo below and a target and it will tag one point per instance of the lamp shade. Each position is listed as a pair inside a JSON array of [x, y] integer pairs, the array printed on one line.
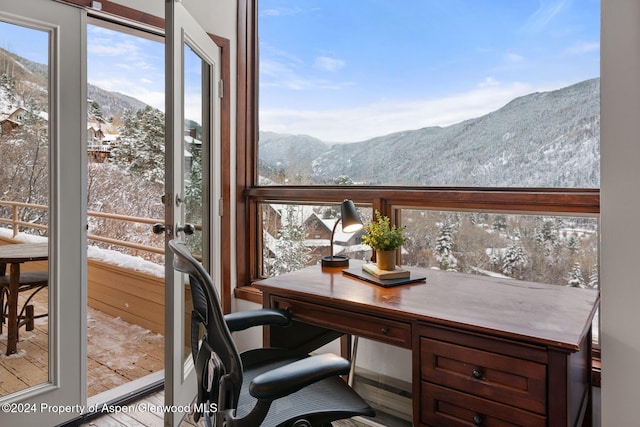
[[350, 219], [350, 224]]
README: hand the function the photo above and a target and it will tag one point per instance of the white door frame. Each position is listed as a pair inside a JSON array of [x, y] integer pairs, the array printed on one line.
[[180, 29], [63, 397]]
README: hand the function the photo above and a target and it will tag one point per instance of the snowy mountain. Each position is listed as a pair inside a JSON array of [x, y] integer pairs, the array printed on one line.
[[294, 153], [113, 104], [535, 140], [31, 81]]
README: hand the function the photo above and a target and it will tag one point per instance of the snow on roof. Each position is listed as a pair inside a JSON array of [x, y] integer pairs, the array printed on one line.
[[191, 140], [339, 236]]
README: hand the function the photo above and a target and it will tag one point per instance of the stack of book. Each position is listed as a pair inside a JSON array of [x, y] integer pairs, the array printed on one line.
[[398, 273]]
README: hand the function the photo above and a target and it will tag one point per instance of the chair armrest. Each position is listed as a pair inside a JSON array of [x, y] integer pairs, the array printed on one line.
[[242, 320], [290, 378]]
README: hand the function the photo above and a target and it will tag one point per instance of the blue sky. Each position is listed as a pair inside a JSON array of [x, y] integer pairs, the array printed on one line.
[[345, 71], [128, 64]]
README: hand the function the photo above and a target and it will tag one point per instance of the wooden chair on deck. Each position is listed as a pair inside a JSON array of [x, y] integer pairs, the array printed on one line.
[[33, 281]]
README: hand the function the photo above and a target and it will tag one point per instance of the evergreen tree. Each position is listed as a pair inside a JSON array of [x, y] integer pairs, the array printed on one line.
[[343, 180], [575, 276], [444, 248], [94, 110], [291, 253], [515, 259], [141, 149], [594, 278], [547, 236], [8, 84]]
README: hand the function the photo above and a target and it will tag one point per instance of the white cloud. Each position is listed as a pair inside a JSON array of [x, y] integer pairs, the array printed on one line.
[[583, 47], [153, 97], [283, 11], [544, 14], [283, 71], [329, 64], [513, 57], [388, 116]]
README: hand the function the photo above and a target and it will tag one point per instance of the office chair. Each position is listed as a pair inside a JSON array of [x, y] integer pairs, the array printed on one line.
[[260, 387]]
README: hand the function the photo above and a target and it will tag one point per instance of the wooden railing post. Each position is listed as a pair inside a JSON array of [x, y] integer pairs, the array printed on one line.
[[14, 218]]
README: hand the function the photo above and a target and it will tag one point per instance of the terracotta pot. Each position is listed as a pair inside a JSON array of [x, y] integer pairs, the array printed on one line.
[[386, 260]]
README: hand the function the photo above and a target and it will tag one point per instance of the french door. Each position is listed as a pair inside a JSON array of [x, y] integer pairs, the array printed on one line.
[[192, 189], [44, 84]]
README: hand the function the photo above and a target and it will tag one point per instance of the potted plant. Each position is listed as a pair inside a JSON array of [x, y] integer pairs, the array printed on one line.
[[384, 239]]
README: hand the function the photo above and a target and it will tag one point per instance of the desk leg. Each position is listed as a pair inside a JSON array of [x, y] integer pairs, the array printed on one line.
[[12, 309]]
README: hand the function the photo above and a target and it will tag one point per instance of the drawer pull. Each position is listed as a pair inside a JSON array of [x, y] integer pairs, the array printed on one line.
[[478, 421], [384, 331], [477, 373]]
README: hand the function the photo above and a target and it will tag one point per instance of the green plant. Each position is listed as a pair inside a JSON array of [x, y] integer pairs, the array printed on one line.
[[381, 236]]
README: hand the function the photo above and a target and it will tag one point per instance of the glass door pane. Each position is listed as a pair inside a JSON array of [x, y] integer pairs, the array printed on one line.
[[24, 207], [195, 148], [125, 181]]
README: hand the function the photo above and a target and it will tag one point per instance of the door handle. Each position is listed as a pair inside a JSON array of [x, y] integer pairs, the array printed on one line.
[[187, 229], [161, 229]]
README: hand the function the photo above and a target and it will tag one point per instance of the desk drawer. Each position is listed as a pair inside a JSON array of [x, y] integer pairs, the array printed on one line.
[[376, 328], [506, 379], [445, 407]]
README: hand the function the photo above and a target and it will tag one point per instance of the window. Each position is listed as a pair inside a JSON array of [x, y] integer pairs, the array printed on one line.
[[478, 94], [362, 102]]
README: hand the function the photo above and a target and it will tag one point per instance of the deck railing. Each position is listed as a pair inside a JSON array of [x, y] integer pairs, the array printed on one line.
[[17, 224]]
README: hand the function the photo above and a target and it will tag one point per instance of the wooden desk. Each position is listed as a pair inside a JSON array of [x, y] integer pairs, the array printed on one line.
[[485, 351], [14, 255]]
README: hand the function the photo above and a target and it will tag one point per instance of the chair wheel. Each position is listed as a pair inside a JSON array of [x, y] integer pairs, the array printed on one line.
[[301, 423]]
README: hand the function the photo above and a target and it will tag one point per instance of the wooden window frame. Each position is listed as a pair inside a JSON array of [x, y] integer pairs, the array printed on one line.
[[386, 199]]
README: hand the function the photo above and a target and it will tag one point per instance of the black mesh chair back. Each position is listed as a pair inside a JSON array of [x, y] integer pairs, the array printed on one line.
[[207, 311], [262, 387]]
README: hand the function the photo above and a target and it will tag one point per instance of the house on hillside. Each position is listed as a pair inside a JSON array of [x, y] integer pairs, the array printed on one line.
[[100, 139], [13, 119], [318, 239]]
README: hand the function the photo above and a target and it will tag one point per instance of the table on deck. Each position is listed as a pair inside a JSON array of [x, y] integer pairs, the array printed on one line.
[[14, 256]]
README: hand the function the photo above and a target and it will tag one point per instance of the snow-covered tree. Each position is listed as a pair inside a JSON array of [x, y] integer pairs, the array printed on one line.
[[290, 252], [343, 180], [575, 276], [547, 236], [94, 110], [8, 86], [594, 278], [444, 248], [25, 164], [515, 259], [141, 149]]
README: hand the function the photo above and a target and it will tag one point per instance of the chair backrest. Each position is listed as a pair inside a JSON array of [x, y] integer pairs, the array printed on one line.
[[208, 311]]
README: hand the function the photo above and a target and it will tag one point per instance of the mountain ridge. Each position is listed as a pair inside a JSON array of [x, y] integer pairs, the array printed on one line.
[[535, 140]]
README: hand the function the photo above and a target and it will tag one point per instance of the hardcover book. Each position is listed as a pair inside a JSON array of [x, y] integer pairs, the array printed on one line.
[[398, 273]]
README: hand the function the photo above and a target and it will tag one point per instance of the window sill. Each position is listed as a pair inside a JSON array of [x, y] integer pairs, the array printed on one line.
[[248, 293]]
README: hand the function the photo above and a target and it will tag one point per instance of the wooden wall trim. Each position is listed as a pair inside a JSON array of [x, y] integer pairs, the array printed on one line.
[[120, 11], [516, 200]]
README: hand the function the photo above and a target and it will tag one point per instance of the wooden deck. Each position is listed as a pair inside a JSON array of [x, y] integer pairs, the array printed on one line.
[[118, 352]]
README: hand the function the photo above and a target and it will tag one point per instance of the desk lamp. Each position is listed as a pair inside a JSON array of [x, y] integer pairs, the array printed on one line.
[[350, 224]]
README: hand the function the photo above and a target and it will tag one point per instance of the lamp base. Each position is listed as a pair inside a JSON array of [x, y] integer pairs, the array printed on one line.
[[335, 261]]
